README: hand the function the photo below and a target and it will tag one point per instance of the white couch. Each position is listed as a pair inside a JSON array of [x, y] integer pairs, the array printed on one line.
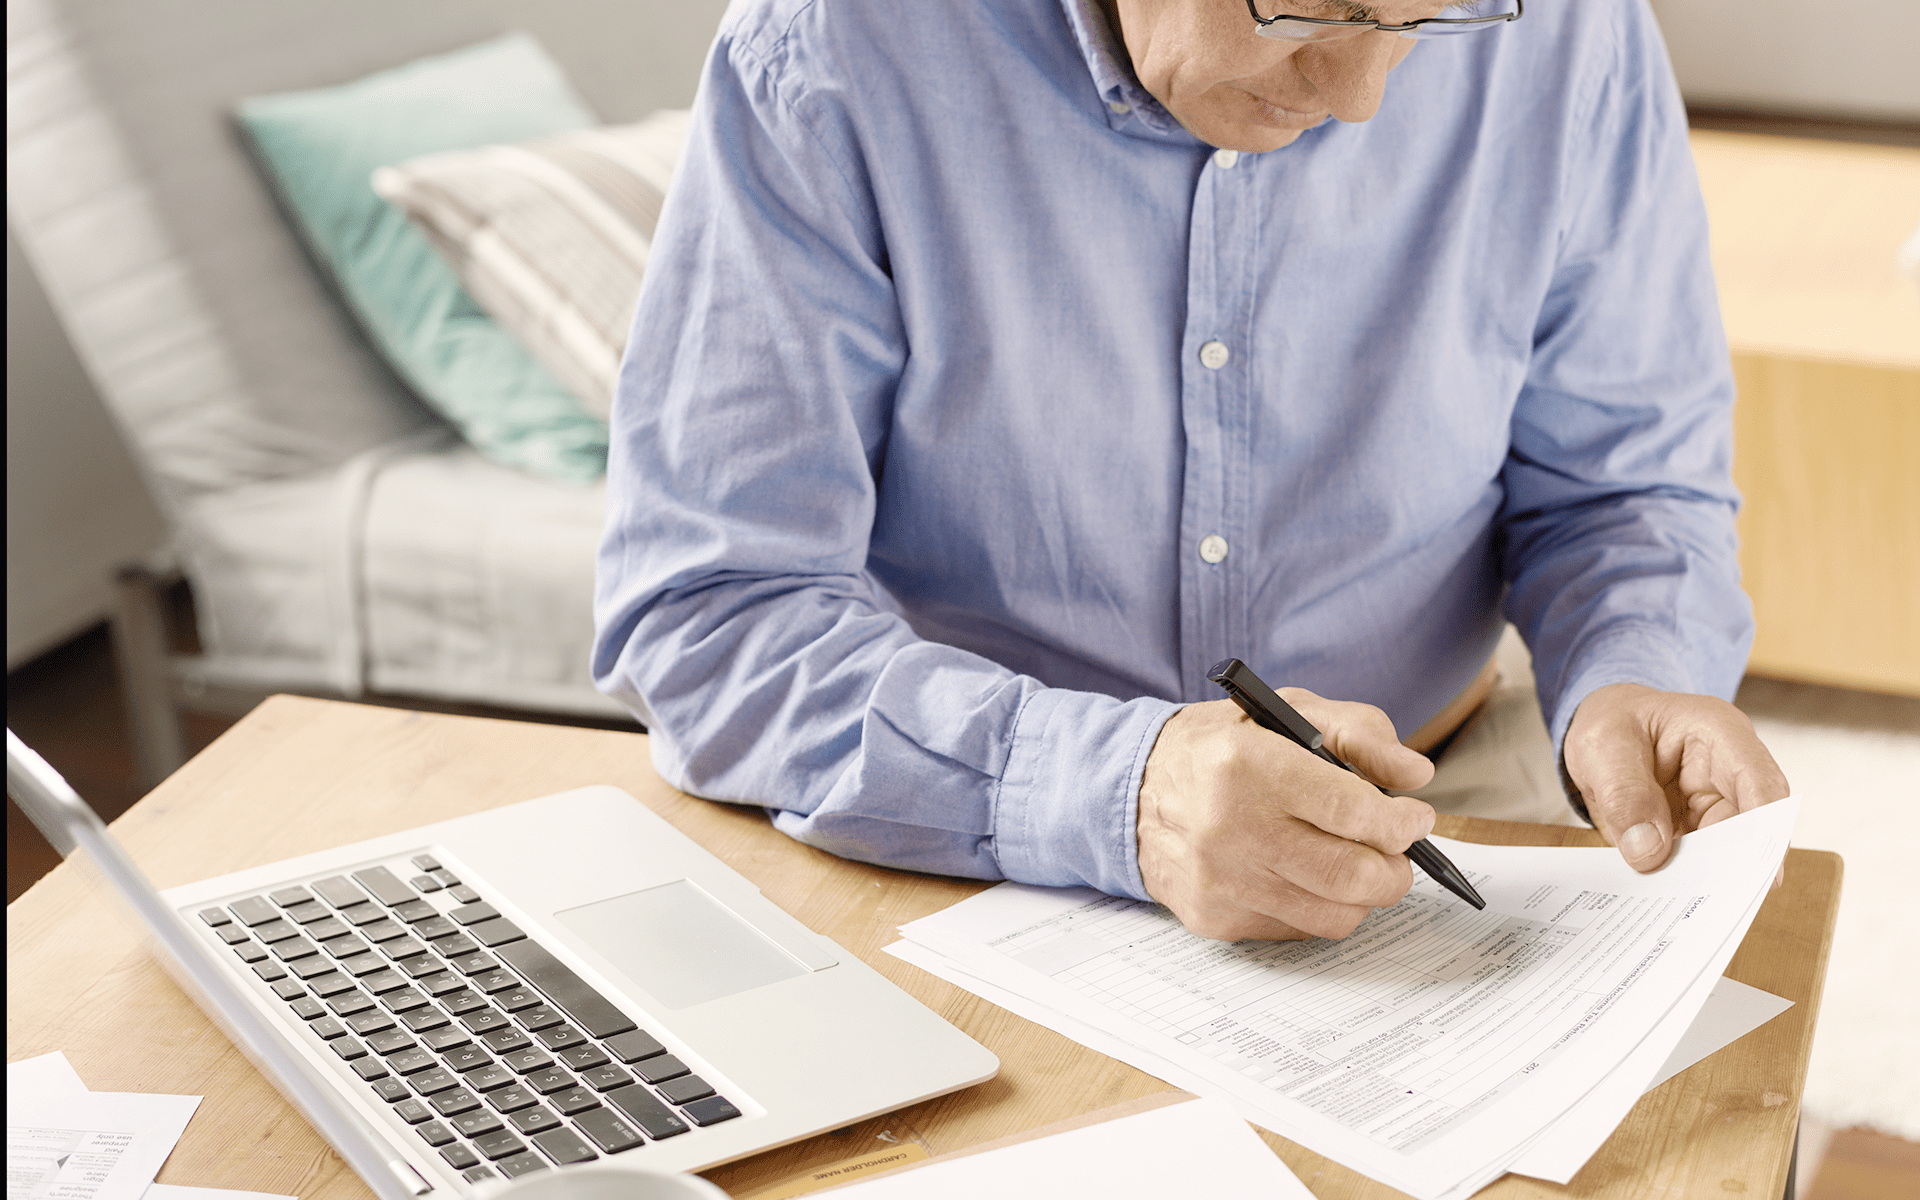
[[339, 539]]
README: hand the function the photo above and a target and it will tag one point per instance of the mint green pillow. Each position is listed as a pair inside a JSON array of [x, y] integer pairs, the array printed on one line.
[[320, 149]]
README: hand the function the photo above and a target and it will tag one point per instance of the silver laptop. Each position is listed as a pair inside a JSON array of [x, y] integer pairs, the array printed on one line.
[[520, 990]]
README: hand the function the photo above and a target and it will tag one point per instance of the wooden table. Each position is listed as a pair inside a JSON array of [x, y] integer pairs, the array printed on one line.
[[299, 775]]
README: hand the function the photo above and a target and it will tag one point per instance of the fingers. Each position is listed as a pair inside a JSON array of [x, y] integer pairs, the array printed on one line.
[[1611, 758], [1244, 834], [1364, 736]]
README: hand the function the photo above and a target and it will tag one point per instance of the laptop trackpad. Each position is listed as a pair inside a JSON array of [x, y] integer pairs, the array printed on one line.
[[680, 944]]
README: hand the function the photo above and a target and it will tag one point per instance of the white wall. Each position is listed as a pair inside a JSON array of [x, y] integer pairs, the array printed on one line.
[[75, 505], [1812, 57]]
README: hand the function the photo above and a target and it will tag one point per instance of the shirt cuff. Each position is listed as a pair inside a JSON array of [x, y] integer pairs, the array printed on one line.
[[1066, 809]]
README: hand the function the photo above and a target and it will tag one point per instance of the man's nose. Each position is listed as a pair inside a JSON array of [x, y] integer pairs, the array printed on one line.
[[1350, 73]]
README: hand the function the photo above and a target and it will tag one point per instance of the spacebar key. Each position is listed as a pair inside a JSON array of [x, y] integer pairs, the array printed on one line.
[[572, 993]]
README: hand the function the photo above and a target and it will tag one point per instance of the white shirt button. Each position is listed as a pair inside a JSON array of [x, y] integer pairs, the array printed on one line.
[[1119, 106], [1225, 159], [1213, 548], [1214, 355]]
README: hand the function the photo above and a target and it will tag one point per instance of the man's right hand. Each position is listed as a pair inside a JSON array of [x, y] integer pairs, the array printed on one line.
[[1243, 834]]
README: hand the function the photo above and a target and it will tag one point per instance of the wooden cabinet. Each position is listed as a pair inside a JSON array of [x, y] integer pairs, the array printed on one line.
[[1825, 333]]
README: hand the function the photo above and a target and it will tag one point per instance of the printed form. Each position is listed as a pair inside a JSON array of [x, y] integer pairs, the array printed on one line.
[[1433, 1045]]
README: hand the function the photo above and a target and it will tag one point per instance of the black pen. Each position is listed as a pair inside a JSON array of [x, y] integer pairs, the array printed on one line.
[[1269, 711]]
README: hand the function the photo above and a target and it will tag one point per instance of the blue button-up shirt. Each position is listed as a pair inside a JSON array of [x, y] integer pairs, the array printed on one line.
[[974, 409]]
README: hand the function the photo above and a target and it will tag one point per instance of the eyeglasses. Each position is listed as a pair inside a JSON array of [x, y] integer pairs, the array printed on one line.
[[1290, 28]]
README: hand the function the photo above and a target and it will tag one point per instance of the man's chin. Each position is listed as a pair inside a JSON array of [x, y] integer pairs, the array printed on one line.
[[1251, 136]]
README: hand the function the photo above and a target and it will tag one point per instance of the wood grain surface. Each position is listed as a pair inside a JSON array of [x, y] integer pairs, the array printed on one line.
[[299, 775]]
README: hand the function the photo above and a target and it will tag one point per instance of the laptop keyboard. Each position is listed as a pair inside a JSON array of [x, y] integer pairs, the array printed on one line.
[[496, 1054]]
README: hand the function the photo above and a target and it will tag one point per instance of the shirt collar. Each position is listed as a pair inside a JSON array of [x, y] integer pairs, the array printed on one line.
[[1131, 109]]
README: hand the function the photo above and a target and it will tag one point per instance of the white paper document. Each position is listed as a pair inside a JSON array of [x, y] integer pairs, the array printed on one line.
[[67, 1143], [1435, 1044], [1193, 1148]]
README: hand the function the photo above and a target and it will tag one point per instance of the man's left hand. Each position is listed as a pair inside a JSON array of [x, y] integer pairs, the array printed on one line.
[[1653, 765]]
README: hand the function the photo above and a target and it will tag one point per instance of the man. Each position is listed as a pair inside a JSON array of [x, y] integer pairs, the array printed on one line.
[[1003, 365]]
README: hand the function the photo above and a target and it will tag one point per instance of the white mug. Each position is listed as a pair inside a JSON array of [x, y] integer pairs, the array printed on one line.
[[613, 1179]]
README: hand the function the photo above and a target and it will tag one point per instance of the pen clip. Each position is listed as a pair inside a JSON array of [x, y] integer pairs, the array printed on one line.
[[1266, 708]]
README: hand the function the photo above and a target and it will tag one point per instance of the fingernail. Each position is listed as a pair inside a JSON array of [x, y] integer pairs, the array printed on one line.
[[1642, 841]]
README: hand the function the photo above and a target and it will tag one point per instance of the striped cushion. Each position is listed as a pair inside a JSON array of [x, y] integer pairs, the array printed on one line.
[[550, 236]]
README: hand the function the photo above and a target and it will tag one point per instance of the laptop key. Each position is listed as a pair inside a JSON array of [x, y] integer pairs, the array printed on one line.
[[522, 1164], [370, 1069], [711, 1111], [518, 998], [250, 951], [287, 897], [477, 1122], [607, 1130], [288, 949], [439, 1079], [463, 893], [488, 1077], [476, 1174], [406, 1062], [269, 971], [276, 931], [540, 1016], [584, 1057], [384, 930], [254, 910], [348, 1003], [361, 966], [560, 1037], [549, 1080], [371, 1022], [530, 1059], [312, 968], [232, 934], [454, 945], [385, 886], [440, 983], [459, 1156], [308, 913], [415, 909], [473, 964], [575, 1100], [434, 1133], [496, 980], [343, 945], [660, 1068], [339, 891], [511, 1097], [420, 966], [501, 1041], [433, 926], [215, 917], [290, 990], [454, 1101], [348, 1048], [425, 862], [685, 1089], [564, 1146], [497, 932], [468, 1058], [406, 999], [362, 914], [329, 983], [390, 1041], [646, 1111], [383, 981], [445, 1039], [423, 1020], [533, 1120], [566, 989], [425, 883], [483, 1020], [601, 1079], [446, 877], [402, 948], [390, 1089], [467, 914], [463, 1001], [413, 1112], [326, 1028]]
